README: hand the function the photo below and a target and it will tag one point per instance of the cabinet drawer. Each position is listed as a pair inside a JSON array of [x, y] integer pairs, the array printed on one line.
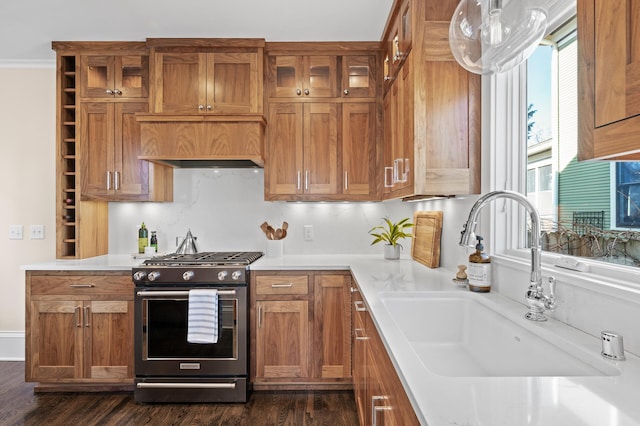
[[282, 284], [42, 285]]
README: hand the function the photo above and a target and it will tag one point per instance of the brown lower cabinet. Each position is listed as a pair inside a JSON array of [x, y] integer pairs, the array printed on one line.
[[79, 329], [300, 330], [379, 394]]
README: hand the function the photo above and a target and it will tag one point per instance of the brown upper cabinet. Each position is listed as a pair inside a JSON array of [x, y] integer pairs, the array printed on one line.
[[324, 132], [200, 76], [431, 107], [303, 76], [109, 76], [609, 79], [108, 156]]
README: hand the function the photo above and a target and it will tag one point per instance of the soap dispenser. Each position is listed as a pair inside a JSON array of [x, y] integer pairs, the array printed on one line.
[[479, 270]]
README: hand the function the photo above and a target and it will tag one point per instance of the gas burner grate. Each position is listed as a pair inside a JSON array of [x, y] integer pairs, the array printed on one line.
[[205, 259]]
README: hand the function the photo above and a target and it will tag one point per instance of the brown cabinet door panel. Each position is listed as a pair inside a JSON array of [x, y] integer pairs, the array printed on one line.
[[320, 148], [96, 148], [109, 339], [359, 148], [282, 339], [232, 82], [180, 86], [332, 326], [133, 174], [284, 151], [54, 347]]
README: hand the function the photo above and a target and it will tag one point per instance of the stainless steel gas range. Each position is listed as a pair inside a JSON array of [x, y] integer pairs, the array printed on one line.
[[168, 367]]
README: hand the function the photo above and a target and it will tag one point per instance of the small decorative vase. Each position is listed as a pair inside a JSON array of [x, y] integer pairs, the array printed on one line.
[[392, 252]]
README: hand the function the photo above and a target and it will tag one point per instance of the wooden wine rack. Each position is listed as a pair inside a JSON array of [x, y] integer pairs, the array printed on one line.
[[74, 217], [67, 165]]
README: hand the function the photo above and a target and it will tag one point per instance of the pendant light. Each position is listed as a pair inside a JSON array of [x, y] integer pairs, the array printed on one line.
[[490, 36]]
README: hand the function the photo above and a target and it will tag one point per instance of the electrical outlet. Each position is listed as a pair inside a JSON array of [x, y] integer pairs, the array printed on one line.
[[308, 232], [15, 232], [37, 232]]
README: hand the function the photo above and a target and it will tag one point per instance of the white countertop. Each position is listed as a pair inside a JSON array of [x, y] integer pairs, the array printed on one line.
[[440, 400]]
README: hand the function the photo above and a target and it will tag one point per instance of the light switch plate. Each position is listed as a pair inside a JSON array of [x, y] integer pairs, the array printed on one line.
[[15, 232], [37, 232]]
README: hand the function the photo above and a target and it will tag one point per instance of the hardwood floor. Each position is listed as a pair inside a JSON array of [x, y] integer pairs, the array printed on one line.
[[20, 406]]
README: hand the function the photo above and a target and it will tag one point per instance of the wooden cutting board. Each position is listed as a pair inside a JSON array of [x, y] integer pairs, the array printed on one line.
[[427, 230]]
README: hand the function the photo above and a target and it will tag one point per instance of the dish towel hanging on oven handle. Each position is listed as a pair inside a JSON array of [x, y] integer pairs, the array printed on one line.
[[203, 316]]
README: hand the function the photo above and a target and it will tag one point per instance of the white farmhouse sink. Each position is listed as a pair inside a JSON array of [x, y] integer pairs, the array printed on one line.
[[464, 335]]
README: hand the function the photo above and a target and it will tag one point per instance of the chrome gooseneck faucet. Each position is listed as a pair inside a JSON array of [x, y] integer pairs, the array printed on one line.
[[537, 301]]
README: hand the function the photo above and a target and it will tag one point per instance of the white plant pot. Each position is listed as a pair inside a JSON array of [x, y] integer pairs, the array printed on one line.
[[392, 252]]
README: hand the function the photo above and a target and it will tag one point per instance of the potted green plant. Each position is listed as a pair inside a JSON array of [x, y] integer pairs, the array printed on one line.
[[390, 233]]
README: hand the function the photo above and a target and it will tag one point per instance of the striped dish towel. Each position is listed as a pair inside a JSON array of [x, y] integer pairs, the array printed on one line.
[[203, 316]]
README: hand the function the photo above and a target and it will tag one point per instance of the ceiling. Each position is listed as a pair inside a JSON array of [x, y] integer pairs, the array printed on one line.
[[27, 27]]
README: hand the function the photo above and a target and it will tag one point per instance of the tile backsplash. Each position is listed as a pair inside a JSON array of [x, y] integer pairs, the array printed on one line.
[[225, 207]]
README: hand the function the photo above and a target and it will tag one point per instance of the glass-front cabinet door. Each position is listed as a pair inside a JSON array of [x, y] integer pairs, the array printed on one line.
[[303, 76], [359, 76], [105, 76]]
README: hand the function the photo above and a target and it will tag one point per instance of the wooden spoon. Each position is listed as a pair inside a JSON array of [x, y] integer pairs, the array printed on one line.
[[264, 228], [270, 232], [278, 234]]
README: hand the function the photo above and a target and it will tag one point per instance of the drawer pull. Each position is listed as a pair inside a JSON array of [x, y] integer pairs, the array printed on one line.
[[282, 285], [77, 317], [82, 285], [86, 316], [359, 334], [359, 304]]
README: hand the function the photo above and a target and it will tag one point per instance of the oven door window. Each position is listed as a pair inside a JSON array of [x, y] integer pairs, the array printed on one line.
[[166, 331]]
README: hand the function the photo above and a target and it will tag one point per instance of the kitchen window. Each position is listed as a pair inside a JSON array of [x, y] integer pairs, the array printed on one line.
[[514, 162], [589, 209]]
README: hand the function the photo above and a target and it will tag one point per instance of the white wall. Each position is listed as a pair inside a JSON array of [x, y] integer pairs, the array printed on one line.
[[27, 150]]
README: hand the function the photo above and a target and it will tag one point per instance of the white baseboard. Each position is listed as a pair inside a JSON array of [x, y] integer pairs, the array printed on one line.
[[11, 345]]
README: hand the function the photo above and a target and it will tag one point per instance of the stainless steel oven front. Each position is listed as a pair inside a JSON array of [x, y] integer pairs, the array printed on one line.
[[170, 369]]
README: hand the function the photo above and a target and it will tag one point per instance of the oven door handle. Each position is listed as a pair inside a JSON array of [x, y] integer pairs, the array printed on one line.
[[144, 385], [179, 293]]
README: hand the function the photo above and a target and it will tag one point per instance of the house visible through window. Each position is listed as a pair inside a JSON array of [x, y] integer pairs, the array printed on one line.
[[589, 209]]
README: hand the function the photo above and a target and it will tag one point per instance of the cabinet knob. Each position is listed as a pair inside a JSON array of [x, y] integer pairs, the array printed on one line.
[[209, 107], [346, 91], [201, 107], [298, 92], [306, 91], [109, 92], [117, 92]]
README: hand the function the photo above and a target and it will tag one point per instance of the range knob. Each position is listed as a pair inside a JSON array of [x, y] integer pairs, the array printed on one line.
[[188, 275], [139, 275], [222, 275], [236, 275], [153, 275]]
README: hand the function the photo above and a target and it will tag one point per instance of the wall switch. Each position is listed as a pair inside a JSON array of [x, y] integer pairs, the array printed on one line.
[[37, 232], [15, 232], [308, 232]]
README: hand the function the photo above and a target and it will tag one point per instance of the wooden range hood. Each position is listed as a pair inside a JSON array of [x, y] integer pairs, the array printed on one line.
[[203, 140]]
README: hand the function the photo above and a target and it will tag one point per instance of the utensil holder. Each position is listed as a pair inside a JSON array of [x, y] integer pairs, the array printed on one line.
[[275, 248]]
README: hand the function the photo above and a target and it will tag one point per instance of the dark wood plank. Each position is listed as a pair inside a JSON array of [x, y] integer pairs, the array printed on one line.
[[20, 406]]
